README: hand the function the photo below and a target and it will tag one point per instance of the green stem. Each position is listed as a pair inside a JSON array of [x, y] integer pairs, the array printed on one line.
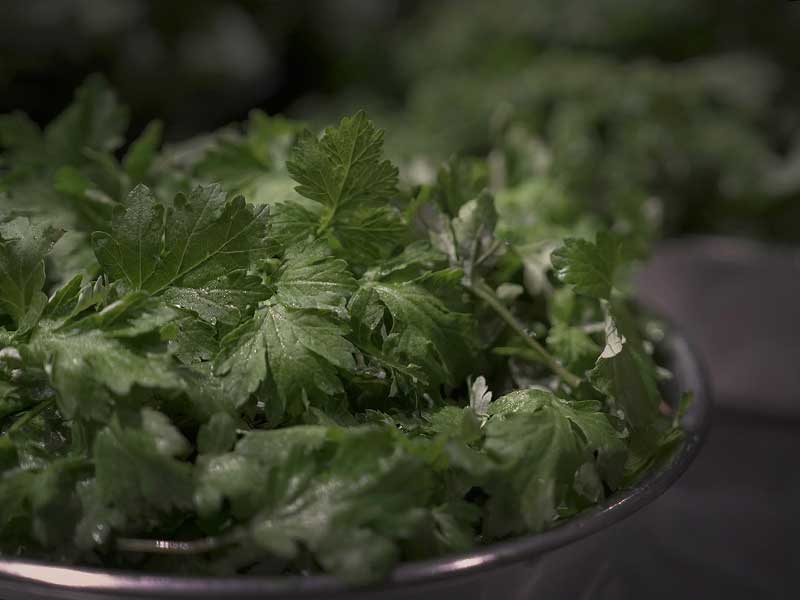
[[496, 245], [485, 293], [33, 412], [326, 221]]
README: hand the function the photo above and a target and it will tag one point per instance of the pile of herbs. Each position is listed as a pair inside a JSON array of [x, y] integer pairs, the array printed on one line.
[[254, 352], [615, 99]]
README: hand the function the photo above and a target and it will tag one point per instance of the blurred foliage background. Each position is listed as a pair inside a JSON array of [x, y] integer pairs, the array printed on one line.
[[608, 102]]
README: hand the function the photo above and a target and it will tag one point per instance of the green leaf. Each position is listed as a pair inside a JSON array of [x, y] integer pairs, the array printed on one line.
[[94, 121], [40, 505], [23, 247], [218, 435], [455, 526], [137, 468], [207, 236], [467, 239], [359, 555], [587, 266], [529, 495], [192, 341], [200, 238], [253, 164], [22, 139], [226, 300], [241, 476], [473, 229], [98, 355], [39, 435], [364, 234], [533, 436], [86, 368], [455, 423], [458, 181], [99, 521], [68, 175], [572, 346], [10, 402], [92, 206], [131, 251], [233, 164], [625, 373], [425, 331], [601, 437], [65, 299], [349, 186], [367, 491], [143, 151], [344, 167], [168, 440], [295, 222], [135, 314], [311, 278], [296, 352], [275, 446], [415, 260]]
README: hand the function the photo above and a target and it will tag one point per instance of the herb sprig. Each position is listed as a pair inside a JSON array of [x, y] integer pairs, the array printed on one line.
[[264, 354]]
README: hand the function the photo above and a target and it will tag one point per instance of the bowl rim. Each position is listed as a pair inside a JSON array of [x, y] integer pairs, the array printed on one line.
[[689, 374]]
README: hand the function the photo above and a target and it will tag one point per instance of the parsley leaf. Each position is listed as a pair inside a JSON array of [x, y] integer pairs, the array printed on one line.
[[345, 499], [564, 437], [343, 175], [344, 167], [589, 267], [92, 358], [226, 300], [425, 332], [296, 353], [625, 373], [252, 164], [311, 278], [138, 467], [23, 247], [95, 121], [198, 239]]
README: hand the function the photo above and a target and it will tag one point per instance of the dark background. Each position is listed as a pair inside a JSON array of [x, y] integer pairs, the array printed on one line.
[[197, 65], [435, 75], [200, 64], [729, 528]]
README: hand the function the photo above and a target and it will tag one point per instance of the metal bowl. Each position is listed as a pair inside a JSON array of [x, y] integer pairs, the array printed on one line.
[[502, 570]]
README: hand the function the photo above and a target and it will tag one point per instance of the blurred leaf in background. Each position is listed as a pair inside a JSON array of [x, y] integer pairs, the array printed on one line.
[[691, 104]]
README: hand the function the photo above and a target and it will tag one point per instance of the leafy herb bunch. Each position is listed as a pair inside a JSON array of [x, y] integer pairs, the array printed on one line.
[[255, 350]]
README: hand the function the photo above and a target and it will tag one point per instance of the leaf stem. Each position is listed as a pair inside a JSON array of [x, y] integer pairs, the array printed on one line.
[[480, 289], [591, 328], [496, 245]]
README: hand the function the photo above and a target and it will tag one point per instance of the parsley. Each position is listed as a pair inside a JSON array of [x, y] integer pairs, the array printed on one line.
[[270, 355]]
